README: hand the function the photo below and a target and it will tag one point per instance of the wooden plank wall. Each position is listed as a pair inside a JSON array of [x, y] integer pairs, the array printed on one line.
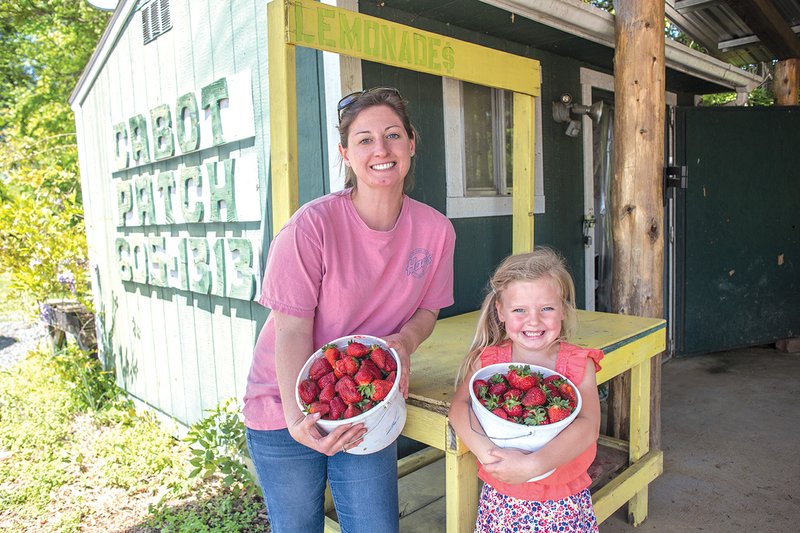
[[177, 351]]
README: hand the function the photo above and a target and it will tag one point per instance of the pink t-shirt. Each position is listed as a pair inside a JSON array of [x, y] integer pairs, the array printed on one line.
[[327, 264]]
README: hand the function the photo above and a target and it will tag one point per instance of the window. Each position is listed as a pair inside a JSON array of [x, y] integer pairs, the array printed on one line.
[[478, 148]]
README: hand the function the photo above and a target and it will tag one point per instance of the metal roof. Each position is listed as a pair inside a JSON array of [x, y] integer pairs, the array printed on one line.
[[740, 32]]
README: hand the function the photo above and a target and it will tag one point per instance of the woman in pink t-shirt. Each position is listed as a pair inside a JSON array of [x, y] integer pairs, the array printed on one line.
[[364, 260]]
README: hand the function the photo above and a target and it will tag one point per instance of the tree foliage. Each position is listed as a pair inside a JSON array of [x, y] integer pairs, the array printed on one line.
[[44, 46]]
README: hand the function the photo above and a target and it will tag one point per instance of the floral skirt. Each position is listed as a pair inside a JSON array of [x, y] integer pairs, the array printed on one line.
[[498, 513]]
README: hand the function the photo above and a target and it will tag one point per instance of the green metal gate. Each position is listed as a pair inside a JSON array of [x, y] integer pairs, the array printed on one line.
[[737, 228]]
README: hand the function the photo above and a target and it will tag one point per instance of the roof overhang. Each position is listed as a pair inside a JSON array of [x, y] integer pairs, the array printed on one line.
[[593, 24]]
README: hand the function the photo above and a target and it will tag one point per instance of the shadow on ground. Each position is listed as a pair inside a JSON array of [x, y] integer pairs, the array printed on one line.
[[730, 433]]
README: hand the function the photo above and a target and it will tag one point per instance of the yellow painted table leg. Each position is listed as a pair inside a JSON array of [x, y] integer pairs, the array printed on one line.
[[639, 434], [462, 492]]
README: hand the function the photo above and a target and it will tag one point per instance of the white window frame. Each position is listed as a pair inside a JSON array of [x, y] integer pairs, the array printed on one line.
[[459, 205]]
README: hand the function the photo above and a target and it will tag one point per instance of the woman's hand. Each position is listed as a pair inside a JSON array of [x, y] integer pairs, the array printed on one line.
[[399, 344], [305, 431], [513, 466]]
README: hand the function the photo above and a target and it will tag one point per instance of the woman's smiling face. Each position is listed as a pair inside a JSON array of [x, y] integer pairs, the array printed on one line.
[[532, 312], [378, 149]]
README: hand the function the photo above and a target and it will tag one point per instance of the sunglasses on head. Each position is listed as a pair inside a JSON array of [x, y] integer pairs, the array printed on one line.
[[348, 100]]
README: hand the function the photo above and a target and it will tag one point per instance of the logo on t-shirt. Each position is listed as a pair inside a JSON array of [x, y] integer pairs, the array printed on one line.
[[418, 262]]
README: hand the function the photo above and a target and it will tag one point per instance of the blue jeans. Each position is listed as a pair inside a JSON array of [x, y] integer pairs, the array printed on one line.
[[292, 477]]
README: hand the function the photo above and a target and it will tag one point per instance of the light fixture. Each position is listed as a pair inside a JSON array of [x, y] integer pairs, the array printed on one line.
[[565, 111]]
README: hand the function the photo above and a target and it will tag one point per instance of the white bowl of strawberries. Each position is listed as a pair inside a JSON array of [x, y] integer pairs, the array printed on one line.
[[523, 406], [355, 379]]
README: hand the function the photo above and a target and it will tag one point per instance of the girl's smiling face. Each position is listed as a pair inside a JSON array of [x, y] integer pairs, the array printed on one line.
[[378, 149], [532, 312]]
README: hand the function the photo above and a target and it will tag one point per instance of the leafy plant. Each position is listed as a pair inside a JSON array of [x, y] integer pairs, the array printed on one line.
[[93, 388], [218, 444]]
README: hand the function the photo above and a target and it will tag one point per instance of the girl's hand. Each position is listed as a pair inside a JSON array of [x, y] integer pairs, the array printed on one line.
[[512, 465], [403, 349], [305, 431]]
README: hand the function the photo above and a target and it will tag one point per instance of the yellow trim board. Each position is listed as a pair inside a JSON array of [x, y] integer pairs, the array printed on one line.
[[323, 27]]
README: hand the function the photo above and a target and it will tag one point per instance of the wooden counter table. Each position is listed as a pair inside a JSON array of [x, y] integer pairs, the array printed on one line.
[[628, 343]]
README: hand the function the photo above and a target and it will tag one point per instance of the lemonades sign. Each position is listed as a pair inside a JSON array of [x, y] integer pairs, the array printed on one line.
[[323, 27], [163, 179]]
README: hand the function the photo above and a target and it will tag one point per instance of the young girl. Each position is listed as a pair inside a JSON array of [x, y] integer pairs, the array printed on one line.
[[524, 319]]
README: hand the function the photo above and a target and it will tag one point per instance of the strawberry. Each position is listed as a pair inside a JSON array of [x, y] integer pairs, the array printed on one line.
[[346, 366], [497, 389], [365, 405], [331, 353], [566, 391], [534, 397], [319, 407], [512, 393], [558, 410], [348, 391], [513, 408], [391, 376], [391, 364], [319, 368], [327, 394], [337, 409], [328, 379], [480, 387], [377, 373], [351, 411], [535, 417], [500, 412], [356, 349], [307, 390], [381, 389], [380, 357], [519, 377], [364, 376]]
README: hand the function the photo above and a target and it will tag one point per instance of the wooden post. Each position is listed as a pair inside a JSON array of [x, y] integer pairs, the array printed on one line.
[[787, 81], [637, 188]]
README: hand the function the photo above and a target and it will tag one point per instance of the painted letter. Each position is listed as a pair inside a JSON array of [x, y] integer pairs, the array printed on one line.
[[145, 207], [243, 279], [140, 150], [199, 277], [161, 123], [192, 210], [123, 249], [124, 201], [211, 96], [120, 133], [222, 194], [186, 111]]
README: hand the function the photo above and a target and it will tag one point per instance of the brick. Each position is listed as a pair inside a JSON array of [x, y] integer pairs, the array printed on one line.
[[788, 345]]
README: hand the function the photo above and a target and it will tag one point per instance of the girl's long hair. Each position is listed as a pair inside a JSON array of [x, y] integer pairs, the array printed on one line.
[[543, 262]]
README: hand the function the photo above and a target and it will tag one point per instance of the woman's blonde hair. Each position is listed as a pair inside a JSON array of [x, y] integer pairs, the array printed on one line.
[[542, 263]]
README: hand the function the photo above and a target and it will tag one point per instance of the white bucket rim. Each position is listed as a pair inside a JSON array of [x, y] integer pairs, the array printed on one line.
[[383, 405]]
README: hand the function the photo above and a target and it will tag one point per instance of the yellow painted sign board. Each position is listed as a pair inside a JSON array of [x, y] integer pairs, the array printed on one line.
[[323, 27]]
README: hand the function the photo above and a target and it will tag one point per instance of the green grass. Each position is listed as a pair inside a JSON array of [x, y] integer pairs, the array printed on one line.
[[79, 458]]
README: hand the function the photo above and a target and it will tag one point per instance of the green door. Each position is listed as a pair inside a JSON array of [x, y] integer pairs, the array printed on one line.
[[737, 228]]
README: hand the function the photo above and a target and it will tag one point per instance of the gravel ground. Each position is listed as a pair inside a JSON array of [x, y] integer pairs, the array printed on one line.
[[17, 338]]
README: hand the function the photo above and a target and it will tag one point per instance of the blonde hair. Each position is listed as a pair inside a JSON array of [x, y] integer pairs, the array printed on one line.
[[542, 263]]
